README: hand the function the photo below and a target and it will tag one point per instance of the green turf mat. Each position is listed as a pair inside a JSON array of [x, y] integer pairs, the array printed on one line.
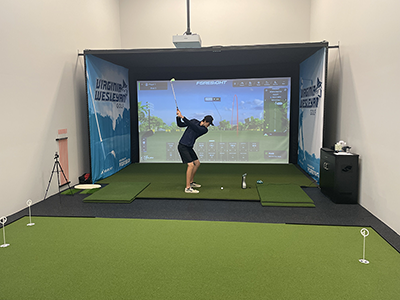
[[90, 191], [283, 195], [71, 191], [95, 258], [168, 180], [117, 192], [294, 204], [209, 190]]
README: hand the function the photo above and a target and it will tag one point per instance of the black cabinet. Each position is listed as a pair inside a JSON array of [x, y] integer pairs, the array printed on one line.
[[339, 176]]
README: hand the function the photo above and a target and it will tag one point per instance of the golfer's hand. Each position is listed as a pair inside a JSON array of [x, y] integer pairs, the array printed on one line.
[[178, 113]]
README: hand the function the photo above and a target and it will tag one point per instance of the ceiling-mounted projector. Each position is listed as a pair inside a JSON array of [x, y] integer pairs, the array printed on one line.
[[187, 41]]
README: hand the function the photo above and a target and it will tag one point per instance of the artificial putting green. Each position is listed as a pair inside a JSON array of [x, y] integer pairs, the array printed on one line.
[[94, 258]]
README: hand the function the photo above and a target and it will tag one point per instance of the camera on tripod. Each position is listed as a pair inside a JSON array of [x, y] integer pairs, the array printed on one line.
[[57, 169]]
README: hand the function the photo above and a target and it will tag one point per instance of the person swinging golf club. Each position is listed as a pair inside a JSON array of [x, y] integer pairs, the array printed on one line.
[[195, 129]]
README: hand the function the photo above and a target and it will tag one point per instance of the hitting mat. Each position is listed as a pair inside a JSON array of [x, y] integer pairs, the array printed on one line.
[[283, 195], [71, 191], [118, 192], [219, 181], [96, 258]]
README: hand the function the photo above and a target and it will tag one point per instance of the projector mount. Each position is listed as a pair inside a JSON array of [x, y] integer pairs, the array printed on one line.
[[188, 17]]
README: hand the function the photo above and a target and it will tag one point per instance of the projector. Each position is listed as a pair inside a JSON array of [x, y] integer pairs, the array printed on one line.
[[187, 41]]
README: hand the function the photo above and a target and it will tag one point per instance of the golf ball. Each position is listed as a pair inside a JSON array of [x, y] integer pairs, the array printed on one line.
[[222, 187]]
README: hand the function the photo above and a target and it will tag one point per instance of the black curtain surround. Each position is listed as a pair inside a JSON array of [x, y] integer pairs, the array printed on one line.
[[281, 60]]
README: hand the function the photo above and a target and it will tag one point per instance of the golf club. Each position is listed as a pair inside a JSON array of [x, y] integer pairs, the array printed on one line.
[[173, 91]]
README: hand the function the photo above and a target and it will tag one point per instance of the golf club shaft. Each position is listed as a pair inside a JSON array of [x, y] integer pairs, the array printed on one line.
[[173, 91]]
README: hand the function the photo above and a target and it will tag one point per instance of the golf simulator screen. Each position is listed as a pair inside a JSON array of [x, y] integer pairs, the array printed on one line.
[[251, 118]]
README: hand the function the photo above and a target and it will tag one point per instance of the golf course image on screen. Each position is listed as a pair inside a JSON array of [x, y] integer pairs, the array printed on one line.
[[251, 119]]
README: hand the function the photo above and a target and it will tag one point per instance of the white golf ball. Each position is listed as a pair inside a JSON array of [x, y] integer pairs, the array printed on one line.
[[222, 187]]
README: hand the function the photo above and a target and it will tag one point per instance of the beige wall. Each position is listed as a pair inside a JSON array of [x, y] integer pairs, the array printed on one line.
[[362, 93], [152, 23], [43, 89]]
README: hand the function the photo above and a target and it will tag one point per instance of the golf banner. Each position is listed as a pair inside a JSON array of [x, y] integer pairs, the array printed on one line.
[[109, 117], [311, 112]]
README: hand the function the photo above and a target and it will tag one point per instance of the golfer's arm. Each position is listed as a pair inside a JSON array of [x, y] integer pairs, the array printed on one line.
[[195, 127], [180, 123]]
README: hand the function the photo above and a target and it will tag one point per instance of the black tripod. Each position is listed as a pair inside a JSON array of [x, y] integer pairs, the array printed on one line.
[[57, 168]]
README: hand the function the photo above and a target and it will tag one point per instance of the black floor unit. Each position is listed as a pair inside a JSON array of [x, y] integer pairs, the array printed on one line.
[[339, 176]]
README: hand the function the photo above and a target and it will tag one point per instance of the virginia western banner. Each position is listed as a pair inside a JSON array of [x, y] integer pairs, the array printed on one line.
[[311, 112], [109, 117]]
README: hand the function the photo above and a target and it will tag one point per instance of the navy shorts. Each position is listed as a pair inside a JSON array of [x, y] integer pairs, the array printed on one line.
[[187, 154]]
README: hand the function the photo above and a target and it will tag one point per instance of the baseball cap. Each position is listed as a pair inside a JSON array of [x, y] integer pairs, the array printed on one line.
[[209, 119]]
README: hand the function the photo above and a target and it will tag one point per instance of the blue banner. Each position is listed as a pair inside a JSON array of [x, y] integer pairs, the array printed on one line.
[[311, 112], [109, 117]]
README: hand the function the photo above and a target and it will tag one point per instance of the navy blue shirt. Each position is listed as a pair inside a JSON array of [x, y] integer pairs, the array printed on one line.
[[192, 132]]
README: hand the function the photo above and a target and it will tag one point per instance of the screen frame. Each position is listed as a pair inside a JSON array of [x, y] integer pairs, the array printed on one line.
[[280, 60]]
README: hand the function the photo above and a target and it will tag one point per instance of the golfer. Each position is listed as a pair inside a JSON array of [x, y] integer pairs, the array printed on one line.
[[195, 128]]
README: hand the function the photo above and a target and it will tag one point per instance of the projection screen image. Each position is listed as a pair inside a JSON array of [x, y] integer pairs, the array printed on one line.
[[251, 118]]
